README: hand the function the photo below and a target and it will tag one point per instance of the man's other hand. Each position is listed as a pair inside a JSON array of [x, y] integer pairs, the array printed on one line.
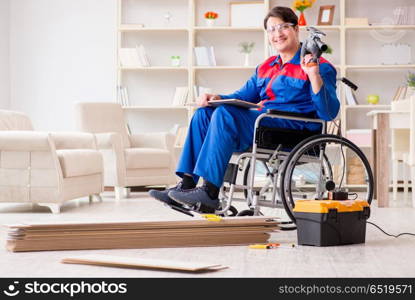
[[203, 99]]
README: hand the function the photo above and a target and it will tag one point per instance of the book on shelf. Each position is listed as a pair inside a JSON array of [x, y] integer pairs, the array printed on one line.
[[129, 57], [350, 96], [205, 56], [145, 62], [122, 96], [398, 93], [403, 92], [404, 15], [181, 96], [180, 136], [134, 57]]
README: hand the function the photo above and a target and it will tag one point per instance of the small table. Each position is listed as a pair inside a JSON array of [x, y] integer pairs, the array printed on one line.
[[383, 121]]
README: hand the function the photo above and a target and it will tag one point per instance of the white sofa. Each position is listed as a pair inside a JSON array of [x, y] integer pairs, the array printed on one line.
[[129, 159], [46, 168]]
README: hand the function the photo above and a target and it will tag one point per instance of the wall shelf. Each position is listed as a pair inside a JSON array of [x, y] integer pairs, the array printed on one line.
[[368, 27], [411, 66], [189, 30], [367, 106], [133, 28], [228, 28], [153, 68]]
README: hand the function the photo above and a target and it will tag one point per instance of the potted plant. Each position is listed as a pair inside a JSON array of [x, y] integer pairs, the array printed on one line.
[[210, 18], [246, 48], [301, 6], [175, 60], [329, 50]]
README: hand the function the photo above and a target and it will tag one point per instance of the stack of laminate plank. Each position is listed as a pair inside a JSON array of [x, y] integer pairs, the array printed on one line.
[[144, 234]]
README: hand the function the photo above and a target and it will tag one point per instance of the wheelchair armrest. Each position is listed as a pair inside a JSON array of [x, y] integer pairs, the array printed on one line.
[[307, 117], [291, 114]]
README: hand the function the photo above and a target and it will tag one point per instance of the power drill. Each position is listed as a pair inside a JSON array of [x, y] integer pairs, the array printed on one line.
[[314, 46]]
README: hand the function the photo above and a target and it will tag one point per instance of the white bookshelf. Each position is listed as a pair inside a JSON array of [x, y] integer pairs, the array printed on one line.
[[185, 31], [355, 52]]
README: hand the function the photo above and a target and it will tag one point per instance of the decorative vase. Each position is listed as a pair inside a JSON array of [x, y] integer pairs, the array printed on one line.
[[210, 22], [301, 20], [246, 62]]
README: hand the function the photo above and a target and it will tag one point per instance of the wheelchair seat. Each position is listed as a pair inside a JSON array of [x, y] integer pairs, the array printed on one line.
[[271, 137]]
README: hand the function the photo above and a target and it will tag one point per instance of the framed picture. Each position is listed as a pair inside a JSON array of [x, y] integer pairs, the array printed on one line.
[[325, 15], [247, 14]]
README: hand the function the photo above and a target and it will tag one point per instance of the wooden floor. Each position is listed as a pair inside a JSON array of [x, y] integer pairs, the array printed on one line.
[[381, 256]]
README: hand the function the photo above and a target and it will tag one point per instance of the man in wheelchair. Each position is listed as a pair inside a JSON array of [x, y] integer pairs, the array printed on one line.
[[284, 82]]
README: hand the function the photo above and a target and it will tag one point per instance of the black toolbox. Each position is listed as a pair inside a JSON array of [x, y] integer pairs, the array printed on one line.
[[331, 222]]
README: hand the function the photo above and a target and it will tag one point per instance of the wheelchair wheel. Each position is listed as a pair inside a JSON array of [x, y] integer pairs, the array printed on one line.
[[322, 163]]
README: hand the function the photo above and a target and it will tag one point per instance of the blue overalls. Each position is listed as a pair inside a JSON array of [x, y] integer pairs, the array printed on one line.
[[215, 133]]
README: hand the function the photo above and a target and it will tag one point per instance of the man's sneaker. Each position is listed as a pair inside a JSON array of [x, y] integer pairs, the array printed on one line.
[[197, 199], [163, 196]]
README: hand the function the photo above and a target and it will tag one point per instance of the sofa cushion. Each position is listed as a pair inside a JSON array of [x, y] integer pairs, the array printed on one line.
[[79, 162], [141, 158]]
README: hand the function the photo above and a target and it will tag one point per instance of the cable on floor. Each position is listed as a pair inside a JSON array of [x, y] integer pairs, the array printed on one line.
[[388, 234]]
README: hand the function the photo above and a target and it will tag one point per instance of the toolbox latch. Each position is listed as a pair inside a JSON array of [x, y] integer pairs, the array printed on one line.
[[332, 214], [365, 214]]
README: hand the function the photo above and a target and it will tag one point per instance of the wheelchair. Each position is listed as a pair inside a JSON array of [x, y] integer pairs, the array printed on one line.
[[286, 165]]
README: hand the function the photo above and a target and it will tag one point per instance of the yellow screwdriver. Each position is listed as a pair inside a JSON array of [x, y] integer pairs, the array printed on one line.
[[269, 246]]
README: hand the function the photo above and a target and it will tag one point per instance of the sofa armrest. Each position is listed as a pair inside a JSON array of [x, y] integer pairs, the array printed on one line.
[[14, 140], [111, 146], [161, 140], [73, 140]]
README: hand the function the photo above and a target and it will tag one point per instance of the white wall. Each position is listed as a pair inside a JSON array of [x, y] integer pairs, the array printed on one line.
[[4, 55], [62, 52]]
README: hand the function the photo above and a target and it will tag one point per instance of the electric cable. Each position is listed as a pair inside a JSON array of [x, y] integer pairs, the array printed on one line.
[[388, 234]]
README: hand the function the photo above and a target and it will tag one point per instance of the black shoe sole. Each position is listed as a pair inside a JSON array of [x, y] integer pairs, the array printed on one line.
[[198, 207], [180, 208]]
